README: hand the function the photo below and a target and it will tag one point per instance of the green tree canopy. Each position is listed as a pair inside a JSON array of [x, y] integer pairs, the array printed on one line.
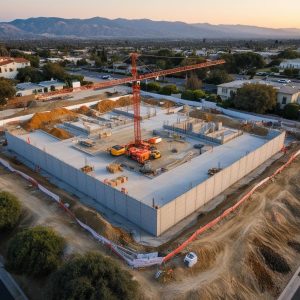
[[7, 90], [218, 76], [291, 111], [92, 277], [36, 251], [30, 74], [288, 54], [169, 89], [10, 210], [235, 63], [258, 98]]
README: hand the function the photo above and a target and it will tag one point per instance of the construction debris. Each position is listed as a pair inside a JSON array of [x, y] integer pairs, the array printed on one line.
[[114, 168], [87, 169], [213, 171], [117, 181]]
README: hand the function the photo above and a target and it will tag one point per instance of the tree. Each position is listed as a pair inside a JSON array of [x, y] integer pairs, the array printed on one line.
[[92, 276], [288, 54], [3, 50], [258, 98], [82, 62], [30, 74], [218, 77], [10, 211], [169, 89], [242, 62], [36, 251], [193, 82], [153, 87], [7, 90], [54, 70], [291, 111]]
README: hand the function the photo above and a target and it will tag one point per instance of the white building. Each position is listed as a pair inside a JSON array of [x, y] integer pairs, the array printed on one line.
[[285, 93], [29, 88], [290, 64], [9, 66]]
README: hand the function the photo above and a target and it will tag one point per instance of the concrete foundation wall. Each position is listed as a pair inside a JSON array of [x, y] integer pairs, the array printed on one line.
[[102, 194], [171, 213], [154, 221]]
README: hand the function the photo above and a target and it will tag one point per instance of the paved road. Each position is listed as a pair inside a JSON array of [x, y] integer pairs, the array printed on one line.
[[292, 290], [9, 289]]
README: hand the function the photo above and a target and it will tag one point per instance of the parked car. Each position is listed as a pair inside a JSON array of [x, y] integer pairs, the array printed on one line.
[[106, 77], [284, 81]]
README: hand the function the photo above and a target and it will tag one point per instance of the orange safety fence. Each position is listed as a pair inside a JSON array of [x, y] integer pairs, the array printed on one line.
[[229, 210]]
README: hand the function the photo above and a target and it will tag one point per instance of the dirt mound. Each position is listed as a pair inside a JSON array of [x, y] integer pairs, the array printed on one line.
[[263, 277], [85, 110], [108, 105], [42, 119], [274, 261], [295, 245], [60, 133]]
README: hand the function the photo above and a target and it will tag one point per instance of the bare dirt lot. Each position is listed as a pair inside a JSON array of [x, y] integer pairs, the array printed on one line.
[[250, 255]]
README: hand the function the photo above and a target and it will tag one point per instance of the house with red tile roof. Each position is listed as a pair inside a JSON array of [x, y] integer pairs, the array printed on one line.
[[9, 66]]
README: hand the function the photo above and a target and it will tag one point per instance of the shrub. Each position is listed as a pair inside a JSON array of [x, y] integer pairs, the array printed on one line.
[[188, 95], [92, 276], [193, 95], [291, 111], [168, 89], [10, 210], [35, 251]]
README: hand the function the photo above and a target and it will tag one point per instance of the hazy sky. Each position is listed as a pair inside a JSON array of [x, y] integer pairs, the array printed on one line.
[[272, 13]]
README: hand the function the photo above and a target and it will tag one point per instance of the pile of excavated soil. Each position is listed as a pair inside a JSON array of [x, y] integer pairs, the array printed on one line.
[[229, 122], [43, 119], [60, 133], [108, 105], [85, 110]]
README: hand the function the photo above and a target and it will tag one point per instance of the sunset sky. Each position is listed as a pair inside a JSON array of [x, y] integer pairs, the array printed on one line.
[[269, 13]]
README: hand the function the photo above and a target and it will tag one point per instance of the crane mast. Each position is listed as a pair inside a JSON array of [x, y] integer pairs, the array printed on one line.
[[136, 92]]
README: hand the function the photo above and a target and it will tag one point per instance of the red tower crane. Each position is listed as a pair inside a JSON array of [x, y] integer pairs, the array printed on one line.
[[135, 80]]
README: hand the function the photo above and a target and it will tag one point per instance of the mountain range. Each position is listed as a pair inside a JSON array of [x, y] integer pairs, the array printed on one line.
[[102, 28]]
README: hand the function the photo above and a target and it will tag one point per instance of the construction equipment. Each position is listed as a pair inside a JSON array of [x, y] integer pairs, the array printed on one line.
[[141, 155], [117, 150], [87, 143], [135, 79], [155, 140], [155, 154]]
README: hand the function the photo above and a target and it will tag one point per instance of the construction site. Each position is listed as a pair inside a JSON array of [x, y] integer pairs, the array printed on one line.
[[95, 154]]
